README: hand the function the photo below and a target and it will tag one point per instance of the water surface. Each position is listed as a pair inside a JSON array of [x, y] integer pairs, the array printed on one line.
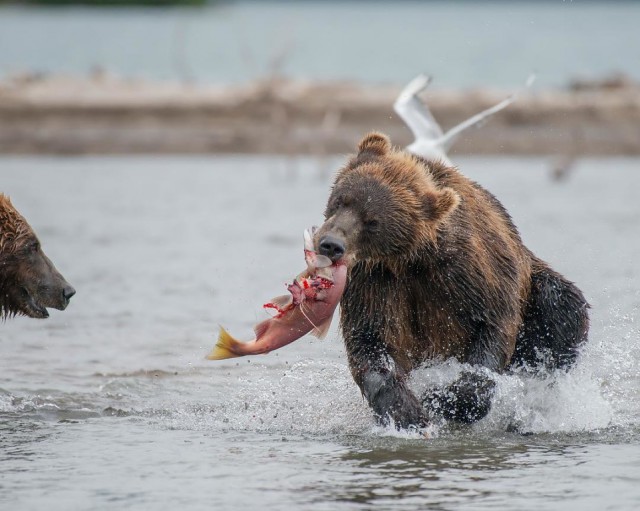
[[111, 405], [463, 44]]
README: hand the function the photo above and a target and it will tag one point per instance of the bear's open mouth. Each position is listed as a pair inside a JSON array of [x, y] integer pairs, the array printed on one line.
[[30, 307]]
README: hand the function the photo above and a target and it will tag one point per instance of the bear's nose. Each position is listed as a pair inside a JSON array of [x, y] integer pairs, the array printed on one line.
[[68, 292], [331, 247]]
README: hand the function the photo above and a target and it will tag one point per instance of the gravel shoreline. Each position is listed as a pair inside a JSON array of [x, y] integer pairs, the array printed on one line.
[[105, 115]]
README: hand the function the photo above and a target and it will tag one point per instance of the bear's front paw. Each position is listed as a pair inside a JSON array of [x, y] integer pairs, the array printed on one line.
[[409, 414], [392, 401], [466, 400]]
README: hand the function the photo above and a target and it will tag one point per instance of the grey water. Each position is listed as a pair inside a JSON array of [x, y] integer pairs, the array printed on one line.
[[111, 404], [462, 44]]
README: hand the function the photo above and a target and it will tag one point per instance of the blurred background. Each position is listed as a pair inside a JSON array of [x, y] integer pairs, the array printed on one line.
[[169, 155], [310, 76]]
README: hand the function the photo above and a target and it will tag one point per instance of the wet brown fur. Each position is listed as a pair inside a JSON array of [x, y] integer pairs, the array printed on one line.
[[14, 228], [437, 267], [28, 280]]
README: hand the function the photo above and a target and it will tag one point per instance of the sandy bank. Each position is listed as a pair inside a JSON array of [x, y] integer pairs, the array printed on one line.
[[106, 115]]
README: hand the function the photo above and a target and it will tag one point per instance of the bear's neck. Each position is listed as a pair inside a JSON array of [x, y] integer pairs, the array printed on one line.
[[7, 306], [406, 301]]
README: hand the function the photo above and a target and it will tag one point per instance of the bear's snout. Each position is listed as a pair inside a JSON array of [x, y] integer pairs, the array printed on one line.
[[331, 247], [67, 292]]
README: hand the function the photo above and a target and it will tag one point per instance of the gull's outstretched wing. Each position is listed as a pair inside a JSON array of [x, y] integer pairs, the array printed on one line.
[[414, 113], [477, 120], [450, 136]]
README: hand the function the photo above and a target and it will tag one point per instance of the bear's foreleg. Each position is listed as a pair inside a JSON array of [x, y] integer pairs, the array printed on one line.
[[391, 399], [383, 382]]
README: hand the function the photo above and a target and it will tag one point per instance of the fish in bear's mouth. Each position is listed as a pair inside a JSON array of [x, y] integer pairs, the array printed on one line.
[[308, 308]]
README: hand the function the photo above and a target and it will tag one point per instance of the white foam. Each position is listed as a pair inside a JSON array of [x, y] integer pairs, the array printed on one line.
[[310, 397], [319, 396], [602, 390]]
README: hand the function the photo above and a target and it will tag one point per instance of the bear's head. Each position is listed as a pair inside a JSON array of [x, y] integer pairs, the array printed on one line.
[[29, 282], [384, 206]]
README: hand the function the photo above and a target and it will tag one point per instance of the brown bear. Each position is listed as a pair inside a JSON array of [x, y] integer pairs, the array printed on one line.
[[29, 282], [437, 269]]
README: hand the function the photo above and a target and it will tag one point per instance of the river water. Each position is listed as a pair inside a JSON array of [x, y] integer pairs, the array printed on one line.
[[111, 405], [462, 44]]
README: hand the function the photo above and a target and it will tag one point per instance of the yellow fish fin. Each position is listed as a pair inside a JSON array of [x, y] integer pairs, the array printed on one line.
[[226, 347]]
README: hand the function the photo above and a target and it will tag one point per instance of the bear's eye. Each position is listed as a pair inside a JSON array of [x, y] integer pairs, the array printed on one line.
[[333, 205], [33, 247], [330, 211], [342, 201], [371, 225]]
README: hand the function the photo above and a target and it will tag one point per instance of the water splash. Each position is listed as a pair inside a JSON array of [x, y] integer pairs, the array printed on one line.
[[309, 397], [601, 391], [46, 405], [317, 395]]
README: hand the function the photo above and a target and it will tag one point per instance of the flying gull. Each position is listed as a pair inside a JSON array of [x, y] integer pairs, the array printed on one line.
[[430, 142]]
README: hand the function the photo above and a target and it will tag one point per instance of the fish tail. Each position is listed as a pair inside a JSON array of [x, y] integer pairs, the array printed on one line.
[[226, 347]]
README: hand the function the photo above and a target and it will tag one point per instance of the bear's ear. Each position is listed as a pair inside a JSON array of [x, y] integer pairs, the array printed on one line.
[[438, 204], [375, 143]]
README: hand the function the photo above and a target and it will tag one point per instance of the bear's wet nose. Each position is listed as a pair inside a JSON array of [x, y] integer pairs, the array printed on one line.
[[331, 247], [68, 292]]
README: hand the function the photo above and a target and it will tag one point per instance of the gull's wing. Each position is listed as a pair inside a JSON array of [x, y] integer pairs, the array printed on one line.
[[450, 136], [414, 113]]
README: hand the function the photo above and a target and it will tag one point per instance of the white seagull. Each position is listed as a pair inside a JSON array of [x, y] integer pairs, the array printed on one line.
[[430, 142]]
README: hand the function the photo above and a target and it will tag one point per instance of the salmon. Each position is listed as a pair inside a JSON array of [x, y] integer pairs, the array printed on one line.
[[308, 308]]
